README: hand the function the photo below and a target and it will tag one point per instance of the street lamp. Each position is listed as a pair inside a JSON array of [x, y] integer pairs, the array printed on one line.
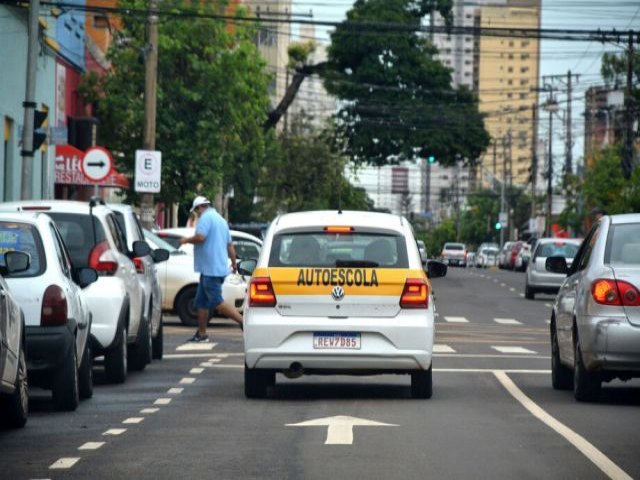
[[552, 107]]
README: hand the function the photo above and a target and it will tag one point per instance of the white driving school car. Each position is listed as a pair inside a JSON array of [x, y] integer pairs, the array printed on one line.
[[339, 293]]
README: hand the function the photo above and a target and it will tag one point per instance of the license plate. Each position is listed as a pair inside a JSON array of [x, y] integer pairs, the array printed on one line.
[[336, 340]]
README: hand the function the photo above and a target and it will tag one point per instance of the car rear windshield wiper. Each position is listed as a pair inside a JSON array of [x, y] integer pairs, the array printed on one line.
[[356, 263]]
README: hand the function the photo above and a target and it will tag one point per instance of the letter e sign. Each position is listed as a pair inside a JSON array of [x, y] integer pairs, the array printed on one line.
[[148, 171]]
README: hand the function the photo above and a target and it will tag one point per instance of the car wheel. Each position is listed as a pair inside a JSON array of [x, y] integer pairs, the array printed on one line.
[[66, 395], [586, 385], [529, 293], [85, 375], [422, 384], [157, 345], [561, 376], [17, 404], [116, 359], [140, 352], [256, 382], [185, 309]]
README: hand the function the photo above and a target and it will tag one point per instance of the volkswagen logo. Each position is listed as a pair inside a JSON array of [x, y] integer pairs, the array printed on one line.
[[337, 293]]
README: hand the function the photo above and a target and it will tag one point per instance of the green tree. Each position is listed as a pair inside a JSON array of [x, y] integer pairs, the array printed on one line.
[[396, 98], [211, 102]]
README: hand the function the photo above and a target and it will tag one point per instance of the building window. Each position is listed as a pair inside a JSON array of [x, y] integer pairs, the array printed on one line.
[[524, 69], [524, 96], [524, 56], [510, 56], [510, 82], [510, 70], [509, 95], [525, 43], [524, 81]]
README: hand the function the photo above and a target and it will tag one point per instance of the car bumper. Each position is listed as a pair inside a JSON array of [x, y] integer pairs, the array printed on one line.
[[47, 347], [105, 298], [399, 344], [544, 281], [610, 344]]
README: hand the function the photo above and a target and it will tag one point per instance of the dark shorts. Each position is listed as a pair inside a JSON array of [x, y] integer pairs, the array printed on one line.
[[209, 294]]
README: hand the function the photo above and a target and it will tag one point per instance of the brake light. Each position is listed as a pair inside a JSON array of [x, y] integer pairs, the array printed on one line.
[[101, 259], [415, 294], [338, 229], [139, 264], [35, 208], [612, 292], [54, 307], [261, 293]]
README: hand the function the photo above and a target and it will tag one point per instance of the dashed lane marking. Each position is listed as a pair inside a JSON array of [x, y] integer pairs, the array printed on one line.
[[456, 320], [195, 347], [442, 349], [513, 350], [133, 420], [507, 321], [64, 463], [91, 446], [548, 305], [175, 390], [162, 401], [589, 450], [115, 431], [503, 284], [521, 295], [511, 289], [149, 410], [196, 371], [187, 380]]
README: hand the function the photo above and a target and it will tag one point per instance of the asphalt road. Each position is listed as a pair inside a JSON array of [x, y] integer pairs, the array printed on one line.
[[493, 413]]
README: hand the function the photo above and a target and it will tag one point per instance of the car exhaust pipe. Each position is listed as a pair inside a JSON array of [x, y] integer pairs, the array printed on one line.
[[295, 370]]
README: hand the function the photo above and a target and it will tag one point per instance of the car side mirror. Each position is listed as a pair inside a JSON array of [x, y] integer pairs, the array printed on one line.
[[247, 267], [141, 249], [436, 269], [16, 261], [160, 255], [556, 265], [85, 276]]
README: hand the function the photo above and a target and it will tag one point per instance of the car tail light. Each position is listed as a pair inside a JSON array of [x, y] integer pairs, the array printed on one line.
[[261, 293], [612, 292], [338, 229], [102, 259], [139, 264], [54, 307], [415, 294]]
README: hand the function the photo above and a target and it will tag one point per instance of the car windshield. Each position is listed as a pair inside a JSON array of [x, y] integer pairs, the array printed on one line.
[[160, 243], [22, 237], [623, 245], [322, 249], [558, 249]]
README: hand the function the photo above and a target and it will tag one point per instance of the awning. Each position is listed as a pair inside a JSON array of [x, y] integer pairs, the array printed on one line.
[[69, 170]]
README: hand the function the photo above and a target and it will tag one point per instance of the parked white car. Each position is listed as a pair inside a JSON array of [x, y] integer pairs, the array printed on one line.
[[245, 244], [147, 274], [94, 239], [14, 392], [57, 317], [179, 282]]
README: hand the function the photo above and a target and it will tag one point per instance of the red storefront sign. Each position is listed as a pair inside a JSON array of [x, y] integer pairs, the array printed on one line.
[[69, 170]]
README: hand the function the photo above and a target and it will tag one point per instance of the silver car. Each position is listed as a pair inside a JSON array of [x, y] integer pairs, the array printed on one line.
[[538, 278], [595, 322]]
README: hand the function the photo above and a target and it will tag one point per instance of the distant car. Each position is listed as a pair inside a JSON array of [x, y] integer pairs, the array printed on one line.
[[522, 258], [511, 257], [481, 247], [339, 293], [14, 393], [454, 254], [422, 248], [487, 257], [538, 278], [504, 255], [57, 317], [147, 274], [179, 282], [595, 321]]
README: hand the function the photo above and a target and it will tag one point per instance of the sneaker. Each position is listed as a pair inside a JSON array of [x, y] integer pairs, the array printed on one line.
[[200, 338]]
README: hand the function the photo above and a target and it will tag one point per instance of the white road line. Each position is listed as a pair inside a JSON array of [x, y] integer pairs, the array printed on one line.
[[133, 420], [149, 410], [587, 449], [495, 280], [458, 370], [503, 284], [187, 380], [511, 289], [175, 390], [548, 305], [548, 321], [520, 294], [91, 446], [456, 320], [115, 431], [162, 401], [507, 321], [195, 371], [188, 355], [512, 349], [442, 349], [64, 463], [191, 347]]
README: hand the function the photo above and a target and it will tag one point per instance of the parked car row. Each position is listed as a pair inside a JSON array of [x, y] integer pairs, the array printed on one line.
[[88, 288]]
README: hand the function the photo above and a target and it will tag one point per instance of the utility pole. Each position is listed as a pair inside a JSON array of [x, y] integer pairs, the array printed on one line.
[[568, 162], [534, 158], [627, 157], [29, 104], [551, 107], [147, 214]]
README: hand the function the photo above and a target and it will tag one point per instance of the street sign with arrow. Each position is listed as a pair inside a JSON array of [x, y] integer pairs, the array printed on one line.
[[97, 164], [340, 427]]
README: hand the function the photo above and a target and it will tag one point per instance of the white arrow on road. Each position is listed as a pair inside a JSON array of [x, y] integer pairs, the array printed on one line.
[[340, 427]]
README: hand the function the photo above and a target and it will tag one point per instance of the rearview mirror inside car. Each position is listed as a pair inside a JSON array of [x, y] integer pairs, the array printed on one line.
[[556, 265]]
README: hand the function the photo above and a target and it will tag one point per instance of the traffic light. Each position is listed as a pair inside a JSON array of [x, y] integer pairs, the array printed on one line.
[[431, 159], [498, 226], [39, 134]]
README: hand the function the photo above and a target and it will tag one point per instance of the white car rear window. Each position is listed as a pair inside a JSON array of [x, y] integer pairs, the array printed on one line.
[[22, 237], [623, 245]]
